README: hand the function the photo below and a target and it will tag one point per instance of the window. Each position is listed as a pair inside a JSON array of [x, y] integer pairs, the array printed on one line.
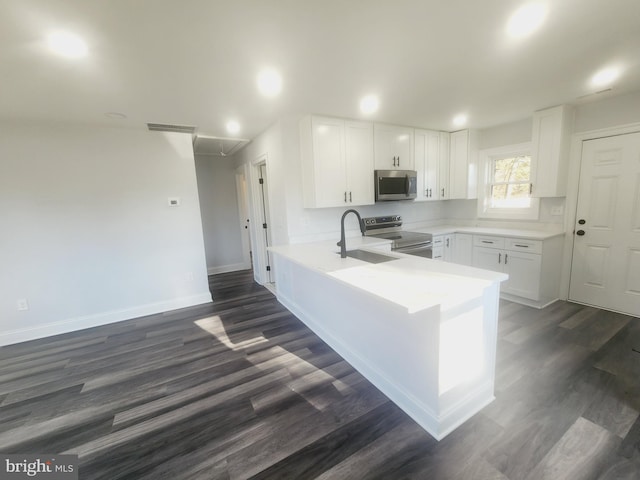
[[505, 184]]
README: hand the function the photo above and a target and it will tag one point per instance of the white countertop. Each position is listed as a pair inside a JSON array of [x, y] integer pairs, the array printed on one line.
[[413, 282], [501, 232]]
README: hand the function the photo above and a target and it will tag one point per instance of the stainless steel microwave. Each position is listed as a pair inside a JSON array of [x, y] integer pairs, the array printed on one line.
[[396, 185]]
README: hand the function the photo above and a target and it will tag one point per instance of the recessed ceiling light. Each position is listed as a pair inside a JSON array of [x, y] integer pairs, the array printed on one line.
[[460, 120], [67, 44], [526, 20], [233, 127], [369, 104], [269, 82], [605, 77]]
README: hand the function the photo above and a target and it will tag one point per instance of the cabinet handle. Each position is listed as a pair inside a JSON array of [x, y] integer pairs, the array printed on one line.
[[506, 256], [345, 197], [430, 195], [350, 199], [521, 246], [499, 257], [487, 241], [394, 161], [530, 188], [447, 243], [398, 160], [443, 192]]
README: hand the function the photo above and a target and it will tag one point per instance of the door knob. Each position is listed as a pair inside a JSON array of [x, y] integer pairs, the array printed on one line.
[[582, 221], [580, 233]]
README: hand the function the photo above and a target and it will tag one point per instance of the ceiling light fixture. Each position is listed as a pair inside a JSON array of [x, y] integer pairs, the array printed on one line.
[[233, 127], [67, 44], [526, 20], [605, 77], [269, 82], [369, 104], [460, 120]]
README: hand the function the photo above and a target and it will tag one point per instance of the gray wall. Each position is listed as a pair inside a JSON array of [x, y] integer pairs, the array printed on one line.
[[220, 214], [87, 234]]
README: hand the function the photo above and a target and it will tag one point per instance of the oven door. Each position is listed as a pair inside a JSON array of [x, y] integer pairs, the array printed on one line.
[[424, 250]]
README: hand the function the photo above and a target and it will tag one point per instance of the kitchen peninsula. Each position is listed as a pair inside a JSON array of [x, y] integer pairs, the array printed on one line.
[[422, 331]]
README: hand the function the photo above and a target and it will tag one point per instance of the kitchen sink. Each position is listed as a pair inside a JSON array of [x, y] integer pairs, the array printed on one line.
[[370, 257]]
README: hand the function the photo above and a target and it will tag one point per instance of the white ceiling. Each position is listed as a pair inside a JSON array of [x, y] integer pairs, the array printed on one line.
[[195, 62]]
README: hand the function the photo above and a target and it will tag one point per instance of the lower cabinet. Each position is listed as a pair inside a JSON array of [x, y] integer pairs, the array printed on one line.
[[443, 247], [463, 249], [532, 265], [523, 269]]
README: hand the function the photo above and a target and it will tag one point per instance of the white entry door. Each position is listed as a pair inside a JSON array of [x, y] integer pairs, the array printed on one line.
[[605, 270]]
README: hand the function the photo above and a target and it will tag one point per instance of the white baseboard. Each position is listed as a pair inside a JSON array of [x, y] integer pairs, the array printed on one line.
[[234, 267], [98, 319]]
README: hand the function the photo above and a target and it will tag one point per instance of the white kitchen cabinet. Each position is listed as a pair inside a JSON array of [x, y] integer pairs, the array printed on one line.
[[463, 165], [393, 147], [532, 265], [463, 249], [551, 142], [443, 167], [443, 247], [431, 159], [337, 162], [437, 252]]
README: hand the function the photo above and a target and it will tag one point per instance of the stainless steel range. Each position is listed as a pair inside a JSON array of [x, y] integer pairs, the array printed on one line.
[[390, 228]]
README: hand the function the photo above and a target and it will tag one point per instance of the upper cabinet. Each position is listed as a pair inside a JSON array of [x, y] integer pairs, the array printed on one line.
[[393, 147], [463, 164], [551, 142], [337, 162], [431, 154]]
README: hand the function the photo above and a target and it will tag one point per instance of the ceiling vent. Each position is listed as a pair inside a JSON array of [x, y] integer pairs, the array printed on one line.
[[165, 127]]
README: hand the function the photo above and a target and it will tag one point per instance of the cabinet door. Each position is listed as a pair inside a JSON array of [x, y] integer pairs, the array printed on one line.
[[448, 245], [329, 162], [550, 150], [393, 147], [427, 160], [524, 274], [359, 162], [463, 175], [463, 249], [488, 258], [443, 167]]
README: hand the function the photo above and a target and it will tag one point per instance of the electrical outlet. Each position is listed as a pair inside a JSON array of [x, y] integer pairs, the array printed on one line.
[[22, 304], [559, 210], [173, 201]]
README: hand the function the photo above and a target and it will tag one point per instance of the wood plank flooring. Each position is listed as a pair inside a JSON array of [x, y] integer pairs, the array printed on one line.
[[241, 389]]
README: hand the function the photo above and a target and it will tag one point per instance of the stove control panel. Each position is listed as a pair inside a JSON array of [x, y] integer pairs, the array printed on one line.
[[382, 222]]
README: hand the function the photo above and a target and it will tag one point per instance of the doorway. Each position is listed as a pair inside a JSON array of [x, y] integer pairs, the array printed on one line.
[[261, 228], [243, 211], [605, 268]]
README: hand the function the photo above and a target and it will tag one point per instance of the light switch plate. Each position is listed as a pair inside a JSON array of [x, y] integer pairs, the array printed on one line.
[[559, 210]]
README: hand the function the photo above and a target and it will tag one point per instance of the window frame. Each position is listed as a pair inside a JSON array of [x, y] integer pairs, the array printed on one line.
[[486, 161]]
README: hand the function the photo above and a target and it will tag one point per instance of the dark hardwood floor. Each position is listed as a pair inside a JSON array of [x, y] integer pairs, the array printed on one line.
[[241, 389]]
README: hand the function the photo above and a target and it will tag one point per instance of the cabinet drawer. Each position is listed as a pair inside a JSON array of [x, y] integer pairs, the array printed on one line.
[[488, 241], [437, 253], [521, 245]]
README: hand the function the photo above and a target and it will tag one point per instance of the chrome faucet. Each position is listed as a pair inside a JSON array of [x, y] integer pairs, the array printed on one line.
[[342, 243]]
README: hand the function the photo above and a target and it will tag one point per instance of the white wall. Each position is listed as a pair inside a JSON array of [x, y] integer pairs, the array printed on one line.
[[87, 234], [220, 214], [608, 112]]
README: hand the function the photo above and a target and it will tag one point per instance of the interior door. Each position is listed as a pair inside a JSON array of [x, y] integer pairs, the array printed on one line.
[[605, 269]]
